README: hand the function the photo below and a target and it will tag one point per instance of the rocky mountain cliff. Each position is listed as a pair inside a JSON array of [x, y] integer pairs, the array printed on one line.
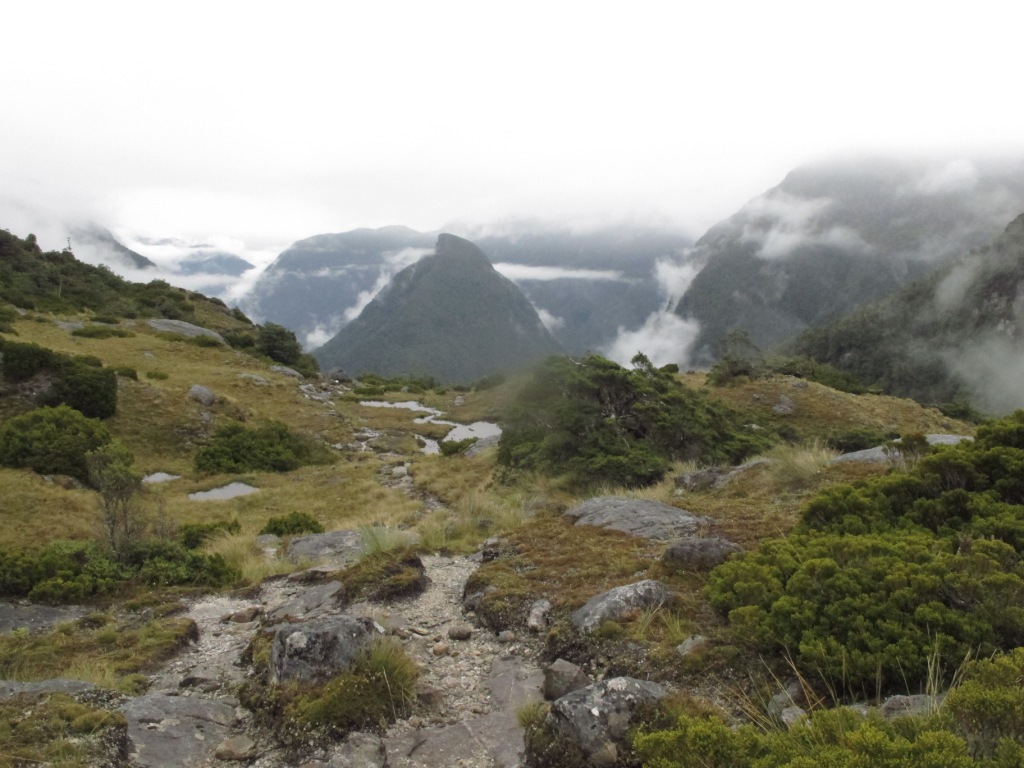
[[834, 236], [957, 334], [450, 315]]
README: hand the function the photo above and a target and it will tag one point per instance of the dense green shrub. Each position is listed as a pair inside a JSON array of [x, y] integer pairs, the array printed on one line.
[[883, 576], [93, 391], [80, 381], [271, 447], [837, 738], [157, 375], [456, 447], [73, 571], [292, 524], [61, 572], [987, 707], [601, 423], [51, 441], [164, 563]]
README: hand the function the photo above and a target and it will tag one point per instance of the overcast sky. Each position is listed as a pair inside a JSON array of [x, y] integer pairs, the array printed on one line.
[[227, 120]]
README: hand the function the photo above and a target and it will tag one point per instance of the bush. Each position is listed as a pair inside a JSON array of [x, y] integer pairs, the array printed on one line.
[[880, 578], [157, 375], [987, 707], [80, 382], [292, 524], [455, 447], [51, 441], [166, 563], [603, 424], [61, 572], [99, 332], [837, 738], [270, 447]]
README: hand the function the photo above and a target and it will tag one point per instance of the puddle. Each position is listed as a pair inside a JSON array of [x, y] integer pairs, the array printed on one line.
[[229, 491], [478, 429], [160, 477]]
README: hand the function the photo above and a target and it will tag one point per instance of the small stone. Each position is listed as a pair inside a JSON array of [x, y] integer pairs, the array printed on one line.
[[506, 636], [792, 715], [429, 697], [691, 645], [440, 649], [236, 748], [420, 631], [460, 632], [245, 615], [537, 620], [415, 722]]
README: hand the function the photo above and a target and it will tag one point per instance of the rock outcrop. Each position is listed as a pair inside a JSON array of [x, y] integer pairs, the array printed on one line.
[[620, 601]]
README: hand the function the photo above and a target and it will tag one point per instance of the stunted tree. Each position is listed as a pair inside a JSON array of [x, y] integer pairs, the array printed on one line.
[[111, 473]]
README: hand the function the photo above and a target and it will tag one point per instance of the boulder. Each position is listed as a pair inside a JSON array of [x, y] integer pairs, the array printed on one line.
[[562, 677], [202, 395], [317, 650], [598, 717], [360, 750], [617, 602], [879, 453], [286, 371], [182, 328], [643, 518], [917, 705], [698, 554], [10, 689], [338, 546]]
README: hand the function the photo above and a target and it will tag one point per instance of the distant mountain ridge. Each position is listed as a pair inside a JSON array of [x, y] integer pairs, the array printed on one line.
[[584, 284], [957, 334], [834, 236], [450, 315]]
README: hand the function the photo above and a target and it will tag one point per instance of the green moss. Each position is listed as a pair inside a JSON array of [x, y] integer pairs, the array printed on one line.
[[57, 730], [383, 576]]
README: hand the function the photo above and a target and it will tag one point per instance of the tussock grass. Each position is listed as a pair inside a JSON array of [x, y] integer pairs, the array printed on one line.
[[240, 551], [96, 649], [794, 467]]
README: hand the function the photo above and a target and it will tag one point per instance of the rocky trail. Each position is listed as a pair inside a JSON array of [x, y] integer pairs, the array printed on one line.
[[471, 685]]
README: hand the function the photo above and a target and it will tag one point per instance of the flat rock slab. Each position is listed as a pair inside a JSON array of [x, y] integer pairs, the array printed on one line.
[[37, 618], [495, 736], [175, 731], [338, 547], [880, 455], [308, 603], [9, 689], [642, 518]]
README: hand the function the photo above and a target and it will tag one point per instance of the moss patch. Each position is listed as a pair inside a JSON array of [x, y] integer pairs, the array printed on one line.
[[382, 576]]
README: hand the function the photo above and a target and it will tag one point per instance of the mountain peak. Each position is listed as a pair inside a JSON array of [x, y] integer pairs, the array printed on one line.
[[454, 247]]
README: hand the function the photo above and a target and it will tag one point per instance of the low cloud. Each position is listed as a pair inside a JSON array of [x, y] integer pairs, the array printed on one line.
[[955, 176], [323, 333], [782, 223], [665, 337], [522, 272], [551, 322], [992, 368], [393, 263]]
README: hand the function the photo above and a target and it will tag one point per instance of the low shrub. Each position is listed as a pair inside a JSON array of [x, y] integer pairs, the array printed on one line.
[[456, 447], [157, 375], [101, 332], [51, 441], [292, 524], [271, 447]]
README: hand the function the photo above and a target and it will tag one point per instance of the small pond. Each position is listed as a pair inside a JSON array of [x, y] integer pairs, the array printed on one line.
[[478, 429], [160, 477], [229, 491]]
